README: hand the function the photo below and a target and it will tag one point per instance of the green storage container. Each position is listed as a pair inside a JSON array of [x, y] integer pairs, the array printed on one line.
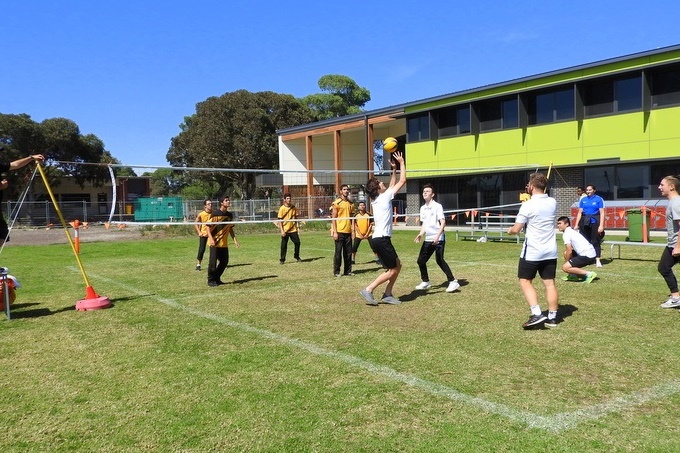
[[635, 225], [159, 209]]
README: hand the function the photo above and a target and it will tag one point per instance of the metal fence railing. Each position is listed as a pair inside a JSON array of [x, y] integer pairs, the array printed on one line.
[[43, 213]]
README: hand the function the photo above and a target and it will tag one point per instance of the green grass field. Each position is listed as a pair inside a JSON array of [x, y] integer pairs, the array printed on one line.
[[289, 358]]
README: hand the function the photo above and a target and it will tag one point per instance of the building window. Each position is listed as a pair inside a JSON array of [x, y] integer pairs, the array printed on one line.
[[603, 180], [602, 97], [665, 86], [453, 121], [632, 181], [510, 113], [418, 128], [551, 106], [498, 114]]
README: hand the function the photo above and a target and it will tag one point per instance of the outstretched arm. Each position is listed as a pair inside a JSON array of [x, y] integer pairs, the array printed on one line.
[[17, 164]]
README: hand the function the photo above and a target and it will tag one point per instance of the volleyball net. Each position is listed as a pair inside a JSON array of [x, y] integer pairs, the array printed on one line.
[[312, 192]]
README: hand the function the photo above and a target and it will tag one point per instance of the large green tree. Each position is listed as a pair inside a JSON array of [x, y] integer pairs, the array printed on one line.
[[342, 96], [235, 131], [62, 144]]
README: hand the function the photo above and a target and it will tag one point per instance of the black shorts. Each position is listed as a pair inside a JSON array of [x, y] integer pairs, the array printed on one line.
[[528, 269], [4, 230], [581, 261], [385, 250]]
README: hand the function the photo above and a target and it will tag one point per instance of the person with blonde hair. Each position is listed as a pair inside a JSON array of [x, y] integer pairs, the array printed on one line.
[[671, 253]]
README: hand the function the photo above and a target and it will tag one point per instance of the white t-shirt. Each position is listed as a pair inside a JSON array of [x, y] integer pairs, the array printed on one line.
[[579, 243], [538, 214], [672, 217], [382, 214], [430, 215]]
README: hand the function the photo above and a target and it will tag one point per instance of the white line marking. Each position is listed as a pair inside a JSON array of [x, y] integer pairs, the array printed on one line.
[[554, 423]]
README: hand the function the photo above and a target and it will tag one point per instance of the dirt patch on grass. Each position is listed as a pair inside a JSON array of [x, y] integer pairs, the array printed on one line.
[[95, 233]]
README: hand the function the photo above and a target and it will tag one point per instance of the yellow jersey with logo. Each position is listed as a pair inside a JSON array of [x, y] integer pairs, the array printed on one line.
[[343, 208], [221, 232], [288, 213], [363, 223]]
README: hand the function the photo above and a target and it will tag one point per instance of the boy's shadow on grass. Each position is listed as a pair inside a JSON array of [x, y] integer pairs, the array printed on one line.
[[416, 293], [253, 279], [316, 258], [240, 264]]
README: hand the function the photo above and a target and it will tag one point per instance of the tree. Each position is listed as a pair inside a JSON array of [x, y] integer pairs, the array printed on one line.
[[236, 131], [62, 144], [343, 97]]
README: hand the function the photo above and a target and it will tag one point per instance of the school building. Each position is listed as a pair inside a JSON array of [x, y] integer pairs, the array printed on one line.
[[613, 123]]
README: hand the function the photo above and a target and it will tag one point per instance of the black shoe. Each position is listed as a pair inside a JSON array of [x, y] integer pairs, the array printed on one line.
[[198, 267], [552, 322], [353, 262], [534, 320], [213, 284], [281, 262], [298, 260]]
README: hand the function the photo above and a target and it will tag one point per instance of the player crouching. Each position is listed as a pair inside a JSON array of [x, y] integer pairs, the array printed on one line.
[[578, 253]]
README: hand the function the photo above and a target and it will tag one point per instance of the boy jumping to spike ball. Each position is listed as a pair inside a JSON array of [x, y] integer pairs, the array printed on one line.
[[578, 253]]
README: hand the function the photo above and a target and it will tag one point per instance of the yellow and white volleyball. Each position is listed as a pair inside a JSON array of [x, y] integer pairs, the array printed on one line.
[[390, 144]]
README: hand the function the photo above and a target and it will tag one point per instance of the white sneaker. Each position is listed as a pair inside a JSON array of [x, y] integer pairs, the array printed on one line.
[[672, 302], [423, 285], [598, 264], [454, 285]]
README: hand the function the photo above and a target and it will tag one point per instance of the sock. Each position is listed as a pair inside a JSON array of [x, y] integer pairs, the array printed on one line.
[[536, 310], [552, 314]]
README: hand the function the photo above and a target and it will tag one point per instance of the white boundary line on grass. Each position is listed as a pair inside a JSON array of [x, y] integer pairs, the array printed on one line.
[[553, 423]]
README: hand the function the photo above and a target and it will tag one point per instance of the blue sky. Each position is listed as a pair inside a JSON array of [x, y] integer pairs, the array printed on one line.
[[130, 71]]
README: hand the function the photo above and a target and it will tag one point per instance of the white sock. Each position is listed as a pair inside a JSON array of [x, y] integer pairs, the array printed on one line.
[[536, 310], [552, 314]]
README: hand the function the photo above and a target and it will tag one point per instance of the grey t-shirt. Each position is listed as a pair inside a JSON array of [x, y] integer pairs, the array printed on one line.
[[672, 219]]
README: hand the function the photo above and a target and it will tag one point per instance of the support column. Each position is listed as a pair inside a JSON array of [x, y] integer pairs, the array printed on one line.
[[310, 176], [337, 158]]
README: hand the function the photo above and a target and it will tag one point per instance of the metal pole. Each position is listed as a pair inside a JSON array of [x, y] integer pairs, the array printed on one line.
[[5, 291]]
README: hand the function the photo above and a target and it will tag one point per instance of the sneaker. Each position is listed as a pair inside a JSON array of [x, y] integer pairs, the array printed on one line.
[[338, 275], [598, 264], [552, 322], [198, 267], [211, 283], [353, 262], [672, 302], [281, 262], [571, 278], [534, 320], [368, 296], [590, 277], [299, 260], [454, 285], [423, 285], [390, 300]]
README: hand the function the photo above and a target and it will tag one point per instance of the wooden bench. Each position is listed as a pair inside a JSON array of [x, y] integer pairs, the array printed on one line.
[[618, 245], [491, 228]]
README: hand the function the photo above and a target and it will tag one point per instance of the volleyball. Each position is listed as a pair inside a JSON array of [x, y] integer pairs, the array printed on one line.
[[390, 144]]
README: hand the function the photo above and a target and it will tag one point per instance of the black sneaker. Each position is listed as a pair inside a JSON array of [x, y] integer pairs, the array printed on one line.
[[198, 267], [211, 283], [534, 320], [552, 322]]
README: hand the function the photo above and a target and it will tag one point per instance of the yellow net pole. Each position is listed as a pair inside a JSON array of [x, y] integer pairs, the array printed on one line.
[[63, 223]]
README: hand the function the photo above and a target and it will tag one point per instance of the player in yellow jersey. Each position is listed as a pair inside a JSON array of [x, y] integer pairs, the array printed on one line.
[[288, 228], [342, 227], [363, 229], [218, 239], [202, 231]]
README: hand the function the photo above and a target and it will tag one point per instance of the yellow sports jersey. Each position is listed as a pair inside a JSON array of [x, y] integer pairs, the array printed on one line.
[[343, 208], [363, 223], [203, 217], [221, 233], [288, 213]]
